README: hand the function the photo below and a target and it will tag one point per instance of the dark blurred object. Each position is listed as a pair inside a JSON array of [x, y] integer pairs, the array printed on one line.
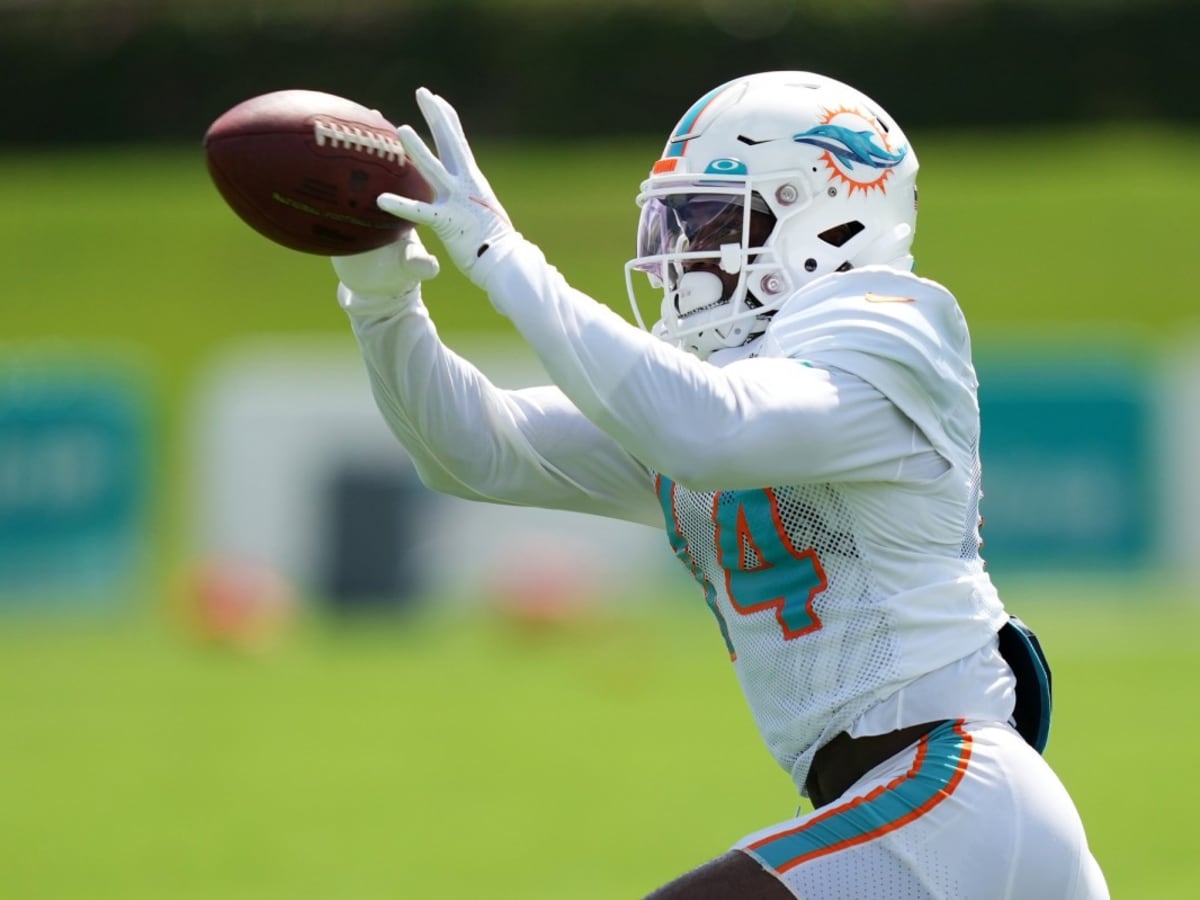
[[375, 519], [116, 72]]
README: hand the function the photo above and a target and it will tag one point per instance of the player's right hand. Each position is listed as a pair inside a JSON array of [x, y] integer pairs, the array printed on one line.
[[386, 278], [464, 213]]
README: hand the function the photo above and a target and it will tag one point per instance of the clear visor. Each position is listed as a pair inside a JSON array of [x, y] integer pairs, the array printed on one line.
[[675, 227]]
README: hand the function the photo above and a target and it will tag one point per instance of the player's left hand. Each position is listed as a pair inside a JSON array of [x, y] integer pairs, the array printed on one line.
[[464, 213], [386, 278]]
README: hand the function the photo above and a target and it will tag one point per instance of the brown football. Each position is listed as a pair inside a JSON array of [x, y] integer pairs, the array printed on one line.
[[304, 168]]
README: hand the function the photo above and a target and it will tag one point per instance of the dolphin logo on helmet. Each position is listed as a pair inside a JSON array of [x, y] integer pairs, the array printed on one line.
[[851, 146]]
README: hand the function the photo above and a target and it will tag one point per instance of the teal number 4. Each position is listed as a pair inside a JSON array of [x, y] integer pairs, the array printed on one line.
[[764, 571]]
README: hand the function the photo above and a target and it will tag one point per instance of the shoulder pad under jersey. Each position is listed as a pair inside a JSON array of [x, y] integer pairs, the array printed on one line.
[[903, 334]]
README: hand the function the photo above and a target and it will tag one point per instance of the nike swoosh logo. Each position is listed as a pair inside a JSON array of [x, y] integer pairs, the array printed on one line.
[[872, 297]]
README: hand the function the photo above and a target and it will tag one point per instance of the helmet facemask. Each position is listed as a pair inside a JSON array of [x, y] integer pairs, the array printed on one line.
[[707, 248]]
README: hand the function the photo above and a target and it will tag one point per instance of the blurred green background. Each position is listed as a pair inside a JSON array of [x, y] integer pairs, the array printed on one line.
[[477, 752]]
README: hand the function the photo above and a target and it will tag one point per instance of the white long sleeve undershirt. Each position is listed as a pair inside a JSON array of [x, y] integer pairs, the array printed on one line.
[[708, 427], [624, 403]]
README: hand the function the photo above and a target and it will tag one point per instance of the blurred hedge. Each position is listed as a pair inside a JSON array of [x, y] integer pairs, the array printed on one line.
[[105, 71]]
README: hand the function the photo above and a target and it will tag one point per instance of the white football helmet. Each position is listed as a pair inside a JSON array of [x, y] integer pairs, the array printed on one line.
[[768, 182]]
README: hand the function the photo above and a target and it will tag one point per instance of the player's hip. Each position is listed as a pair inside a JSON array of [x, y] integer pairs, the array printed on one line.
[[968, 811]]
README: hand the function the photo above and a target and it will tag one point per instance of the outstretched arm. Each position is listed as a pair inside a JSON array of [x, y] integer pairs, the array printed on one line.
[[709, 428], [466, 436]]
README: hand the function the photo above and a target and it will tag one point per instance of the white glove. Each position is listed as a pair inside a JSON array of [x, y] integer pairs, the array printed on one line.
[[384, 279], [464, 213]]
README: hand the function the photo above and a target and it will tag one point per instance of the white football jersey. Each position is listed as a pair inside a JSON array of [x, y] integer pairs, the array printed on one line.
[[834, 595], [821, 484]]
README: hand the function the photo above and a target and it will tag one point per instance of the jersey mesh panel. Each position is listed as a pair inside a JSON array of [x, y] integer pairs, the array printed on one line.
[[971, 527], [812, 685]]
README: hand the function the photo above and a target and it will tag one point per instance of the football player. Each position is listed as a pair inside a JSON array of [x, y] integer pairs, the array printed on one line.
[[801, 421]]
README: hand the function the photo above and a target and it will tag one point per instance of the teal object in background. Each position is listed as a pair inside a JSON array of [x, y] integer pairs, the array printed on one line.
[[1069, 476], [74, 483]]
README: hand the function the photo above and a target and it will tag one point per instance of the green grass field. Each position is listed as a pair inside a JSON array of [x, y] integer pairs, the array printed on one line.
[[457, 758], [460, 759]]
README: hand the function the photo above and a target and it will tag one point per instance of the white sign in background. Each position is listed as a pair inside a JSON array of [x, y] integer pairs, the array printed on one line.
[[275, 420]]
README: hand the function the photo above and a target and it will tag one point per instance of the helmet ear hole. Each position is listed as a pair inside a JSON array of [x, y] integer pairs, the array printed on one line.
[[810, 265], [838, 235]]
